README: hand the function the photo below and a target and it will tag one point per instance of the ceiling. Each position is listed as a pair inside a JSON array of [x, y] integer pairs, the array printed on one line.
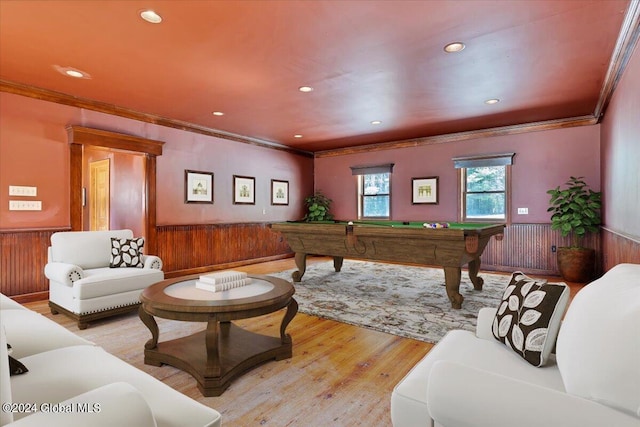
[[365, 60]]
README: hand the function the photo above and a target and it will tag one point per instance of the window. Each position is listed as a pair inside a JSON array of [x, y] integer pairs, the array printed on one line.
[[375, 195], [374, 191], [485, 187], [485, 193]]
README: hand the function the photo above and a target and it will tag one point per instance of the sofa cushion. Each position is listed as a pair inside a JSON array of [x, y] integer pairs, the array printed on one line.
[[598, 346], [83, 368], [29, 333], [126, 252], [6, 417], [108, 281], [409, 397], [7, 303], [86, 249], [529, 315]]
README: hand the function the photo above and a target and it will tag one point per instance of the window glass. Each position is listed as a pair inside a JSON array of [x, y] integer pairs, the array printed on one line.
[[485, 193], [375, 195]]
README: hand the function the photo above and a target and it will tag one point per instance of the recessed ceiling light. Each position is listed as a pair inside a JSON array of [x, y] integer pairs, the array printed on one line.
[[297, 135], [218, 113], [492, 101], [74, 73], [305, 89], [71, 72], [376, 122], [454, 47], [151, 16]]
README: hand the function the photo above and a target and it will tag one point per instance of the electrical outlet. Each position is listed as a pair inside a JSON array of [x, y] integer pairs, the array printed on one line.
[[523, 211]]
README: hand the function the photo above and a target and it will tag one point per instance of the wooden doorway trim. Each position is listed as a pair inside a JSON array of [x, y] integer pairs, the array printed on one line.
[[78, 137]]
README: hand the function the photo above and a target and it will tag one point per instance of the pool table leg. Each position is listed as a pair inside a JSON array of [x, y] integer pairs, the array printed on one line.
[[301, 263], [337, 262], [474, 268], [452, 277]]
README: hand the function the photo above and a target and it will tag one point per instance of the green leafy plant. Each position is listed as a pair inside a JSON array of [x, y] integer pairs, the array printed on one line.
[[576, 209], [317, 208]]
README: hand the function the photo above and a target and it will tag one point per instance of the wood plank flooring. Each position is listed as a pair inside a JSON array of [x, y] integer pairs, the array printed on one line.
[[339, 375]]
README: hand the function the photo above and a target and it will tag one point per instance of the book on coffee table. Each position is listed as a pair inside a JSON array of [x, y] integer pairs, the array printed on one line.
[[222, 281]]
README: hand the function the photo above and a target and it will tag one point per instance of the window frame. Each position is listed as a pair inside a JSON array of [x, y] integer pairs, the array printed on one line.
[[507, 196], [463, 163]]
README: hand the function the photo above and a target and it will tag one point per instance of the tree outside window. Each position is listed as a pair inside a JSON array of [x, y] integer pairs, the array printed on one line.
[[375, 195], [485, 193]]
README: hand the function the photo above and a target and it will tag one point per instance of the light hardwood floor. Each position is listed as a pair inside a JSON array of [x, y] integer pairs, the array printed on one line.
[[339, 375]]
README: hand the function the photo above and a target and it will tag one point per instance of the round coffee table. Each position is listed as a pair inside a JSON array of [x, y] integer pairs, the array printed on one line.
[[223, 351]]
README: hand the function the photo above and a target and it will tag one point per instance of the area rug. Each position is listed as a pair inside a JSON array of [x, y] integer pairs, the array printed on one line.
[[402, 300]]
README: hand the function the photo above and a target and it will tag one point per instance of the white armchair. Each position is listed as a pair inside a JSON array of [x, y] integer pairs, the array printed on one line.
[[84, 283], [594, 379]]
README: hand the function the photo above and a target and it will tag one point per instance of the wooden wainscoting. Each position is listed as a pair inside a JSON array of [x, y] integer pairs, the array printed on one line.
[[527, 247], [618, 248], [23, 255], [187, 249]]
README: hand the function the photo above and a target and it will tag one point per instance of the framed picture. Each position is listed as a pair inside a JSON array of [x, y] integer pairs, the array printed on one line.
[[425, 190], [244, 190], [198, 187], [279, 192]]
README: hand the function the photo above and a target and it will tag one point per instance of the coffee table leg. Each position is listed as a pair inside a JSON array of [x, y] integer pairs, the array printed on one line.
[[292, 310], [150, 322], [213, 357]]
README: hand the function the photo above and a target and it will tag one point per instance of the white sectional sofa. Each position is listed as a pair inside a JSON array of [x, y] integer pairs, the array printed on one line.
[[473, 380], [82, 284], [72, 382]]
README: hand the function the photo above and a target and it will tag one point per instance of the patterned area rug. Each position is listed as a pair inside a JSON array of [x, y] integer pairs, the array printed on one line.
[[402, 300]]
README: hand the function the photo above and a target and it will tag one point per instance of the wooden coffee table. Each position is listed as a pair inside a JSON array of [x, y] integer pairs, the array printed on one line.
[[223, 351]]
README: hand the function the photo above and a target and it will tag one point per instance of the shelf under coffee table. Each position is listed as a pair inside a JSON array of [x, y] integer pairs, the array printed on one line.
[[222, 352]]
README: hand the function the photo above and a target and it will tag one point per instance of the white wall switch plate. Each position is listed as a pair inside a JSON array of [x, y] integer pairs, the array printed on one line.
[[21, 190], [25, 205], [523, 211]]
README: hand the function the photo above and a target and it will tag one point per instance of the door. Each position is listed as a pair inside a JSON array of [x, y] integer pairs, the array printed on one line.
[[99, 190]]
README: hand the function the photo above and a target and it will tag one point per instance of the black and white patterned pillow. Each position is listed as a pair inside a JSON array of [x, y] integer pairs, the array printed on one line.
[[126, 252], [529, 316], [16, 367]]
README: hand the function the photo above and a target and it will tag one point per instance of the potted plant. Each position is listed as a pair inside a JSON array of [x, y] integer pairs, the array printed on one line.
[[576, 212], [317, 208]]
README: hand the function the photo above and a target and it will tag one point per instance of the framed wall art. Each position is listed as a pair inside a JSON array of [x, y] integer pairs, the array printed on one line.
[[424, 190], [279, 192], [198, 187], [244, 190]]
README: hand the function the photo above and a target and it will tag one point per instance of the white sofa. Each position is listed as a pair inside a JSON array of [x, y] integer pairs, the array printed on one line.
[[72, 382], [472, 379], [81, 283]]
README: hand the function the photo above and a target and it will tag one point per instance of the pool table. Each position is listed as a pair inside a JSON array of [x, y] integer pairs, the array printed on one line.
[[411, 242]]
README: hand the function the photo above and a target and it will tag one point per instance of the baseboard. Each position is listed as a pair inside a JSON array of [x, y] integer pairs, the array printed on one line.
[[225, 266], [35, 296]]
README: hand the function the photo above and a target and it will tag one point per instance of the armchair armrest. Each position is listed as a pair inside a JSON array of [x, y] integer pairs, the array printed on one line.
[[461, 396], [485, 321], [152, 261], [116, 404], [63, 272]]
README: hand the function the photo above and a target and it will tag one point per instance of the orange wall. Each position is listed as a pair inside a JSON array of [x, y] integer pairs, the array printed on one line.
[[34, 152]]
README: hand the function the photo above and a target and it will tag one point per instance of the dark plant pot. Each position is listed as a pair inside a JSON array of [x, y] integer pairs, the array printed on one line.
[[576, 264]]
